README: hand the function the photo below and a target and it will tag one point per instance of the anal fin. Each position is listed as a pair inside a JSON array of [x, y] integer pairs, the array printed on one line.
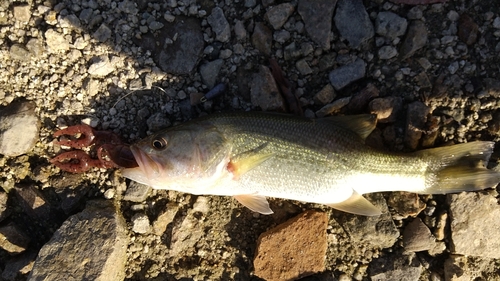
[[254, 202], [357, 204]]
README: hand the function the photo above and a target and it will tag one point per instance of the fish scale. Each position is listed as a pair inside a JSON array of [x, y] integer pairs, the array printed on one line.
[[252, 156]]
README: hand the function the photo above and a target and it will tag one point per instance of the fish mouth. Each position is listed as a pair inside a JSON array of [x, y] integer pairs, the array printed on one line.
[[149, 167]]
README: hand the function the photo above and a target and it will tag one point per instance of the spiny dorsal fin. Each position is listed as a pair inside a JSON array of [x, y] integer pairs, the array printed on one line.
[[362, 124], [357, 204]]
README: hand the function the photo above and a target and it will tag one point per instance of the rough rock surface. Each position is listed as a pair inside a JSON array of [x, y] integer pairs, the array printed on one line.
[[400, 266], [91, 245], [474, 218], [293, 249], [317, 16], [417, 237], [344, 75], [463, 268], [349, 12], [18, 119], [264, 91]]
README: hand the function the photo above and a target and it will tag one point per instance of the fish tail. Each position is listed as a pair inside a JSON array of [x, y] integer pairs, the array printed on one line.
[[460, 167]]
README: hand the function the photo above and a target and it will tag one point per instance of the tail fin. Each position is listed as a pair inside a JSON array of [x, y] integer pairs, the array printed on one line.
[[460, 167]]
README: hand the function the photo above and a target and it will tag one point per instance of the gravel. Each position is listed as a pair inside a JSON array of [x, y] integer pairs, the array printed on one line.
[[132, 67]]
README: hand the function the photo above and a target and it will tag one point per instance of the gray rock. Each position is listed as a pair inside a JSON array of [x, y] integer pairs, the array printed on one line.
[[461, 268], [417, 237], [86, 15], [155, 25], [185, 235], [303, 67], [395, 267], [13, 240], [390, 25], [349, 12], [91, 245], [56, 41], [128, 7], [360, 100], [103, 33], [474, 224], [210, 71], [183, 54], [219, 25], [317, 16], [387, 52], [240, 31], [101, 66], [415, 39], [137, 192], [140, 223], [347, 74], [279, 14], [262, 38], [69, 21], [18, 119], [22, 12], [333, 107], [379, 231], [264, 92], [33, 202], [415, 123], [325, 95], [19, 52], [4, 212], [158, 121]]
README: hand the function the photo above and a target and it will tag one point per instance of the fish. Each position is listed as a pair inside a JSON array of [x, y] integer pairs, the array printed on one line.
[[254, 155]]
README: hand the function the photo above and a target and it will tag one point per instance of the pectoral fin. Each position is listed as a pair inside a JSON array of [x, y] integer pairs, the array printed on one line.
[[254, 202], [244, 164], [357, 204]]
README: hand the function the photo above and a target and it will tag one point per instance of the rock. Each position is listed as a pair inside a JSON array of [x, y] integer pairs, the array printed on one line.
[[416, 119], [423, 80], [158, 121], [378, 232], [185, 236], [395, 267], [387, 52], [183, 54], [91, 245], [165, 218], [22, 13], [103, 33], [33, 202], [344, 75], [386, 109], [417, 237], [18, 267], [101, 66], [56, 41], [279, 14], [317, 16], [405, 204], [460, 268], [4, 211], [264, 91], [19, 52], [140, 223], [210, 71], [360, 100], [293, 249], [262, 38], [137, 192], [13, 240], [418, 2], [325, 95], [467, 29], [415, 39], [390, 25], [303, 67], [240, 31], [474, 224], [16, 120], [332, 107], [349, 11], [441, 223], [35, 47], [219, 25]]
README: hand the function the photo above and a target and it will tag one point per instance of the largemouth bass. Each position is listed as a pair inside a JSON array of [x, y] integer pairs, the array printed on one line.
[[251, 156]]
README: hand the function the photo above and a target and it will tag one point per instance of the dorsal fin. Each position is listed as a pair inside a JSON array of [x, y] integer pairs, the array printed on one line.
[[362, 124]]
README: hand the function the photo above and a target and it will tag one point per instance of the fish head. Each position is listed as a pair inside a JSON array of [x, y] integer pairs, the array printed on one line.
[[187, 158]]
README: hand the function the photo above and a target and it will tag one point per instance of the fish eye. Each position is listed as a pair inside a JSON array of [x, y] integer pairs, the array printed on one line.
[[159, 143]]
